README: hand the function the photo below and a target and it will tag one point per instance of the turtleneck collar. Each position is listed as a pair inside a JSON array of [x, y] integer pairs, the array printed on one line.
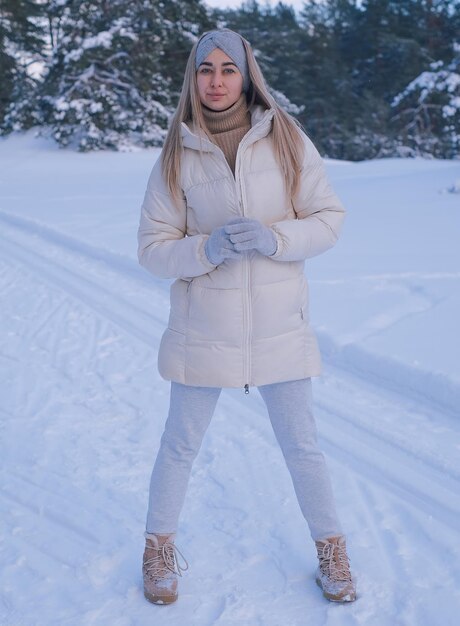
[[236, 116]]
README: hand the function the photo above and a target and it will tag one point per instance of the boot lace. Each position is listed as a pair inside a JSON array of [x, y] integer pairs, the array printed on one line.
[[165, 562], [333, 562]]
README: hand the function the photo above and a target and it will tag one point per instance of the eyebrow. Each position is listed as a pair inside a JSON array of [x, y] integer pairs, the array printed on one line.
[[209, 64]]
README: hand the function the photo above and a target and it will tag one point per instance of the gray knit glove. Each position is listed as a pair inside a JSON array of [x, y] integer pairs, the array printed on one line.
[[249, 234], [218, 247]]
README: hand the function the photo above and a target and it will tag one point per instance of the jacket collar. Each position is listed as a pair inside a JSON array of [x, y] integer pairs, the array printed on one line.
[[261, 124]]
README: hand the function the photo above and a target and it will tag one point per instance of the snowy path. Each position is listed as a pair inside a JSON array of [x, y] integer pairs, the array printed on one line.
[[81, 418]]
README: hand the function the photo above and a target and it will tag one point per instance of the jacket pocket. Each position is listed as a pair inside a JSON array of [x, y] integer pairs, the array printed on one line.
[[304, 311], [277, 308], [215, 315]]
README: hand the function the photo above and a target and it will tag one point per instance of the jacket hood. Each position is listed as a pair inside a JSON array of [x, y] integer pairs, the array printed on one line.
[[261, 124]]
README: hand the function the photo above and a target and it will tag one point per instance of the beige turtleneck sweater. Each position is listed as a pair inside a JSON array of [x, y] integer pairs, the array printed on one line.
[[228, 127]]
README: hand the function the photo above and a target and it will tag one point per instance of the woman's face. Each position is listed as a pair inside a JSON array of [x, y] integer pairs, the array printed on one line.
[[220, 82]]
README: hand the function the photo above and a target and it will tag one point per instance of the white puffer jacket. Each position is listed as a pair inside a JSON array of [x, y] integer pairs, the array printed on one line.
[[244, 322]]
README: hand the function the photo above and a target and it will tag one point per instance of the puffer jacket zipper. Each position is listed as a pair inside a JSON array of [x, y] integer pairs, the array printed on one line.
[[247, 278], [240, 193]]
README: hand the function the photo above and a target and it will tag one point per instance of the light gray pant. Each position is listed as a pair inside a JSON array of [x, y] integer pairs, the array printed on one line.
[[289, 407]]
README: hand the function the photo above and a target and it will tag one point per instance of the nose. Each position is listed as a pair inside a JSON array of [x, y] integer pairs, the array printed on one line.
[[216, 79]]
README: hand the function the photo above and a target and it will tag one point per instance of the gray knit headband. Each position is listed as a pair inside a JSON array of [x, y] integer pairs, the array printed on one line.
[[229, 42]]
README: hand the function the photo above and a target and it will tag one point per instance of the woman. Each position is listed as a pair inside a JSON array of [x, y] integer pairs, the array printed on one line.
[[235, 204]]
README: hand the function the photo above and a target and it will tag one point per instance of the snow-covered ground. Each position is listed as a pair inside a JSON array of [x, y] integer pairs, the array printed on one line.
[[82, 409]]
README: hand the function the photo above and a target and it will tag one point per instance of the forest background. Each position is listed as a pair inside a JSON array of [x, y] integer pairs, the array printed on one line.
[[367, 79]]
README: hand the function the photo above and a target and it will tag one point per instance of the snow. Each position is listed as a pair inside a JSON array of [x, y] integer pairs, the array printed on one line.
[[102, 39], [83, 409], [440, 81]]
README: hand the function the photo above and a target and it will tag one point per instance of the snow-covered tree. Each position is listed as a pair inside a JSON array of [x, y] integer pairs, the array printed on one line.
[[109, 82], [21, 44], [427, 111]]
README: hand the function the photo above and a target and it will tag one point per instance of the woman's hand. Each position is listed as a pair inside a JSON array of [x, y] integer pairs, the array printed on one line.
[[218, 247], [247, 234]]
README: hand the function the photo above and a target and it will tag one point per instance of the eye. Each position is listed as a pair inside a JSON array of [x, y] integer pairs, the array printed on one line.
[[229, 70], [204, 70]]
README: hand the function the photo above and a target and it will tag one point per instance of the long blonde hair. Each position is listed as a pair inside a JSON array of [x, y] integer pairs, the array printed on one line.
[[287, 140]]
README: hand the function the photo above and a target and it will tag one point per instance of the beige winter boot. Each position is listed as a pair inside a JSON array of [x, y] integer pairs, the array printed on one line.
[[160, 568], [333, 574]]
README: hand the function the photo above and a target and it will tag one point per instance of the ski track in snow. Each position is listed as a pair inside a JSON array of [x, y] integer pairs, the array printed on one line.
[[80, 431]]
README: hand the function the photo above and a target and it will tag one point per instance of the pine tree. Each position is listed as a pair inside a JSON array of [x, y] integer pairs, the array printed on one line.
[[427, 111], [89, 98], [364, 53], [332, 104], [21, 43], [112, 80]]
